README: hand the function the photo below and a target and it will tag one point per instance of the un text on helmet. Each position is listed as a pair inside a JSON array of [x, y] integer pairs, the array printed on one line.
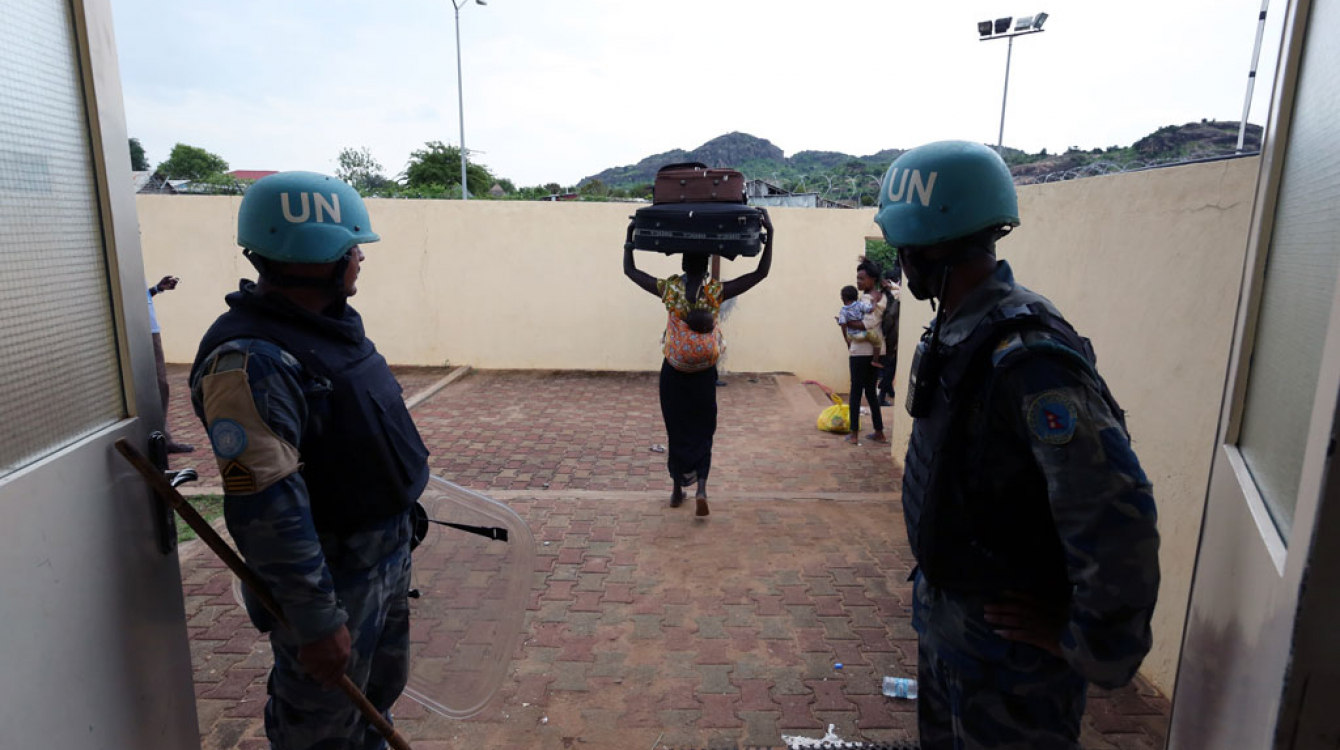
[[920, 188], [323, 207]]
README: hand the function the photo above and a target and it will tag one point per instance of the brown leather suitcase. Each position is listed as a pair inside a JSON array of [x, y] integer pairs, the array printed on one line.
[[694, 182]]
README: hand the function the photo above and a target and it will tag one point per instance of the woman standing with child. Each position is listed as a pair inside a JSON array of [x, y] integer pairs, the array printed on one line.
[[865, 349], [691, 347]]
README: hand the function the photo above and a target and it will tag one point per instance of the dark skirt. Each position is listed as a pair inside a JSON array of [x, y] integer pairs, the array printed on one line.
[[689, 406]]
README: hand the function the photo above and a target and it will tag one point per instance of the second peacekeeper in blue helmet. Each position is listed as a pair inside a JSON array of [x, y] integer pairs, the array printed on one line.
[[1033, 526], [319, 458]]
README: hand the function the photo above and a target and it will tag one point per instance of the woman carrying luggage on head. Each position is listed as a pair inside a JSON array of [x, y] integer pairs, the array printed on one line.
[[688, 381]]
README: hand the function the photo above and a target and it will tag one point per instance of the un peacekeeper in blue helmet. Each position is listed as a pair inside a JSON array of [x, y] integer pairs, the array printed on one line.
[[319, 458], [1033, 526]]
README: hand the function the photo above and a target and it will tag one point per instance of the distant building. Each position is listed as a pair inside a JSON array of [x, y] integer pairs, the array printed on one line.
[[150, 182], [497, 191], [764, 193]]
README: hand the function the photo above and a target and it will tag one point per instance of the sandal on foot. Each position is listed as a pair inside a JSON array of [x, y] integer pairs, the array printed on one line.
[[702, 507]]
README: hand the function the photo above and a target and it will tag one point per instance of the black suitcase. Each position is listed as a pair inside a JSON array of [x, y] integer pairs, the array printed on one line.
[[726, 229]]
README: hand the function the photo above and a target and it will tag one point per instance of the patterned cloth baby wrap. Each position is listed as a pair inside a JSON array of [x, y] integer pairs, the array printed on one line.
[[685, 349]]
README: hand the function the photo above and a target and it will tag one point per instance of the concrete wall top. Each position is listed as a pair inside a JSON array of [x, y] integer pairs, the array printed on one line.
[[524, 285]]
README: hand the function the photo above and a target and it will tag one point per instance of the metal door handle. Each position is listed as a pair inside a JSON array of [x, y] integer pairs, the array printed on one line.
[[181, 476]]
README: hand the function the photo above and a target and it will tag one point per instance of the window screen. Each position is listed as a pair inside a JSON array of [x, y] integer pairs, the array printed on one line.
[[59, 373], [1301, 268]]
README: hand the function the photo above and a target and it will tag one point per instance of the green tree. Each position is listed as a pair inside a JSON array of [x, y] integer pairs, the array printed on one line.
[[440, 164], [138, 162], [881, 252], [191, 163], [220, 184], [507, 185], [594, 189], [553, 187], [359, 168]]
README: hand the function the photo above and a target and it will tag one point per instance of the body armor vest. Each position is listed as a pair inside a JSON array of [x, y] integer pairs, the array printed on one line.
[[975, 502], [363, 459]]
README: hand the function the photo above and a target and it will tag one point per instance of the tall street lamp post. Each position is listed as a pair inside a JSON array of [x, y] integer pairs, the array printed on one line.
[[1251, 74], [1000, 29], [460, 90]]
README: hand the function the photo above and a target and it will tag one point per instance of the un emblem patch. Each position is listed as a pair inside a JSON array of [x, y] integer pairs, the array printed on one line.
[[228, 438], [1052, 417]]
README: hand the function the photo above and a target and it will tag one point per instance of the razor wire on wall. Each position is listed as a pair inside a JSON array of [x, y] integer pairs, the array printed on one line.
[[1106, 166]]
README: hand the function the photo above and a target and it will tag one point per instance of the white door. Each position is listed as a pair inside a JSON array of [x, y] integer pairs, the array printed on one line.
[[1253, 673], [93, 648]]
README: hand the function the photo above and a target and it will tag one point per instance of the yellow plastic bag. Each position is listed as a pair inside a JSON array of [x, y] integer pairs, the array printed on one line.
[[836, 418]]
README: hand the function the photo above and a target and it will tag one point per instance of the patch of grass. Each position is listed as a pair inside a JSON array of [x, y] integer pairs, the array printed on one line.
[[209, 507]]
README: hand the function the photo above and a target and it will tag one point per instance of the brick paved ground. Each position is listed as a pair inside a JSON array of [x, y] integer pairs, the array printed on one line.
[[593, 431], [645, 623]]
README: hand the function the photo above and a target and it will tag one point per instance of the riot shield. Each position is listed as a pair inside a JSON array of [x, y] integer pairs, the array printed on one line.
[[470, 578], [473, 590]]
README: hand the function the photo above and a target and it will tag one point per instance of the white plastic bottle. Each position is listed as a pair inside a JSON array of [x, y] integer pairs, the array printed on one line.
[[900, 687]]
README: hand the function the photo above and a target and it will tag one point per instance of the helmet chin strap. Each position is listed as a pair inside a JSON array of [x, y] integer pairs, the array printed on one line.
[[272, 275], [934, 275]]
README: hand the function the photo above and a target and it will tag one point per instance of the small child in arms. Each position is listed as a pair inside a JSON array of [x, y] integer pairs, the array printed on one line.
[[853, 310]]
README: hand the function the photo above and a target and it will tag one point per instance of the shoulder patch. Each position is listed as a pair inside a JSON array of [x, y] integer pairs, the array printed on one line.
[[228, 438], [1007, 346], [250, 455], [1052, 417]]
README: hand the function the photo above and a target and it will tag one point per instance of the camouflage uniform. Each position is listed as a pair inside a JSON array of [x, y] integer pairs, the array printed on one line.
[[1041, 416], [321, 581]]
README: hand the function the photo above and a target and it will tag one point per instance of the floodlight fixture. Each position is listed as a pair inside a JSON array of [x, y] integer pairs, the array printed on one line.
[[1023, 23], [984, 28], [1003, 24], [1038, 20]]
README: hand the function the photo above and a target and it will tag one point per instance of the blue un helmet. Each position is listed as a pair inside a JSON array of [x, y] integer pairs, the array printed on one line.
[[302, 217], [943, 191], [936, 194]]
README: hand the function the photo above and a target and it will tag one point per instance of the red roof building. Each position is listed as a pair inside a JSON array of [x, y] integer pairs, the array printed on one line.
[[251, 174]]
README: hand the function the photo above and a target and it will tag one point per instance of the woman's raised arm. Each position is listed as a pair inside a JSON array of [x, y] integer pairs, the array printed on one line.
[[736, 287], [630, 269]]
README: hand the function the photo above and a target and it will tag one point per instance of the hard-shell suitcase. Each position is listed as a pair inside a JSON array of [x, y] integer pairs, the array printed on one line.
[[694, 182], [725, 229]]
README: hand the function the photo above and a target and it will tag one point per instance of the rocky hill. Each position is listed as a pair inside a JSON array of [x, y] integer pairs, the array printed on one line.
[[856, 178]]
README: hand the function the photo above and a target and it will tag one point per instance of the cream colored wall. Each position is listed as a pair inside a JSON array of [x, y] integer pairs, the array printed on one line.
[[524, 285], [1148, 266]]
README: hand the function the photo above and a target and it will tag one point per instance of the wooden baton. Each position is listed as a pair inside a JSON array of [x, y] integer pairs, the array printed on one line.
[[211, 538]]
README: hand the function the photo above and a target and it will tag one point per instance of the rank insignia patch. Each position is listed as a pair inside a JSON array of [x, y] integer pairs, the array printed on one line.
[[238, 479], [1052, 417]]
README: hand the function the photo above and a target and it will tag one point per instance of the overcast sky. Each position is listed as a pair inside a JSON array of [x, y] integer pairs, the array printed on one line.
[[556, 91]]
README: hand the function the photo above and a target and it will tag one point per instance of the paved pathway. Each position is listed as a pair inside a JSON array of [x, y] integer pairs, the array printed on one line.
[[646, 624]]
